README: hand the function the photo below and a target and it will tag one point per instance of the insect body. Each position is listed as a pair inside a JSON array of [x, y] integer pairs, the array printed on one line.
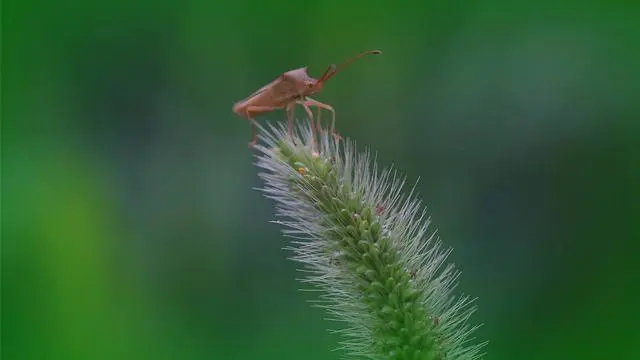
[[291, 88]]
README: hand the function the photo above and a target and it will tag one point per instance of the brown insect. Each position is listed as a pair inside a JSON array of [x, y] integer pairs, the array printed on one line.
[[413, 274], [291, 88]]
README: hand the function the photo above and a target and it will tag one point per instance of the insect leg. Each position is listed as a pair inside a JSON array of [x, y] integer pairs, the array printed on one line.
[[318, 124], [313, 128], [290, 112], [252, 122], [319, 105]]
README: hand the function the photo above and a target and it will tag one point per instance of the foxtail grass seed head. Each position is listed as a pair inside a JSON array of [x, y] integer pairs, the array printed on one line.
[[367, 245]]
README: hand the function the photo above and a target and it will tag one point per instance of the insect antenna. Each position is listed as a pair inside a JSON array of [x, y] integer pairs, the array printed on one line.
[[332, 70]]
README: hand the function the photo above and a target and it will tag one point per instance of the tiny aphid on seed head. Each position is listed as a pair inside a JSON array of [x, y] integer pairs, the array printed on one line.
[[291, 88]]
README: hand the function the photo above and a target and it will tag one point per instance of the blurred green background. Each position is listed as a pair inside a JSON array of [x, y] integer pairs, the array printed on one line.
[[131, 230]]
